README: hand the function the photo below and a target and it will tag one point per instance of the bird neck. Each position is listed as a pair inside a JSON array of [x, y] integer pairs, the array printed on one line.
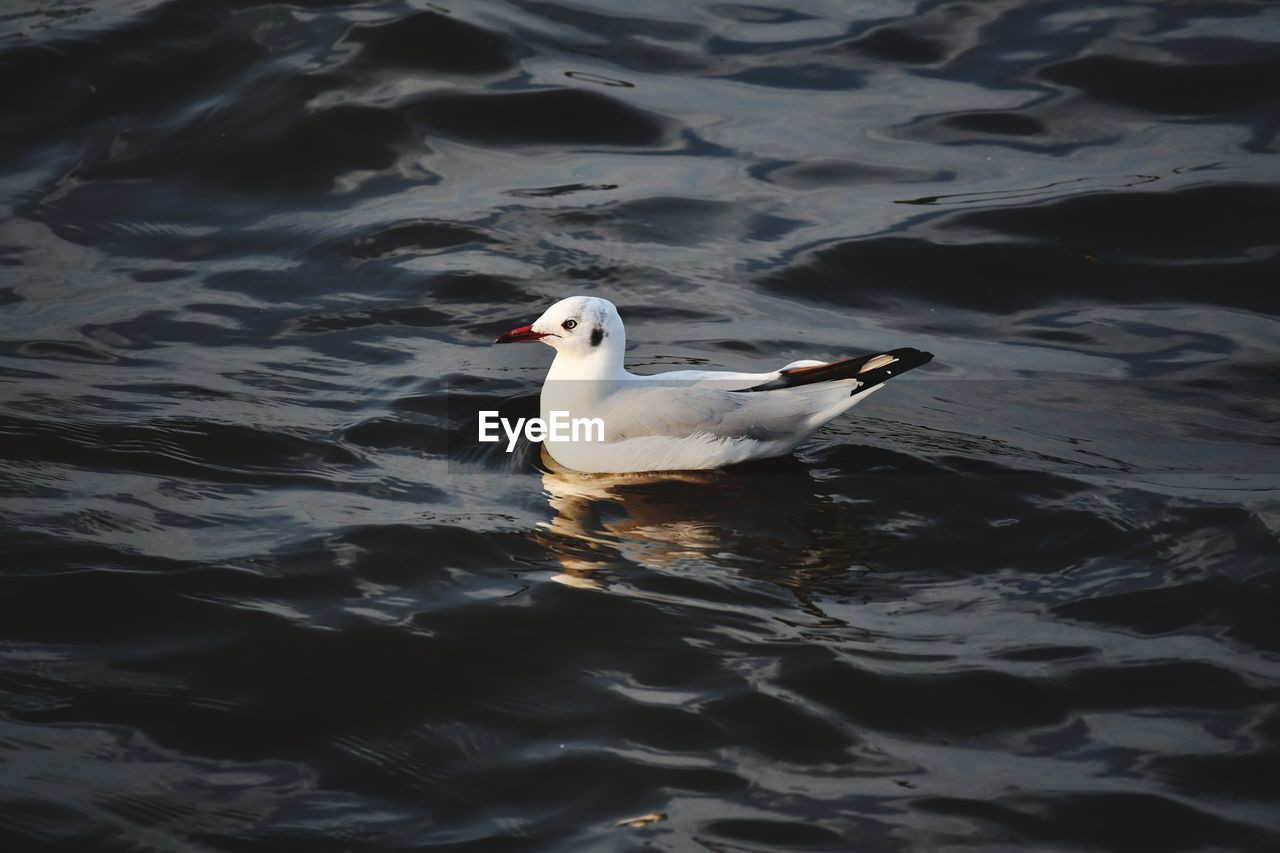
[[604, 364]]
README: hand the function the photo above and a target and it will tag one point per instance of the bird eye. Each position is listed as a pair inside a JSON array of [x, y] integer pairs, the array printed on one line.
[[569, 325]]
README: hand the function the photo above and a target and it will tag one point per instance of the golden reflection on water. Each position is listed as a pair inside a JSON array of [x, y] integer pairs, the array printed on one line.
[[776, 521]]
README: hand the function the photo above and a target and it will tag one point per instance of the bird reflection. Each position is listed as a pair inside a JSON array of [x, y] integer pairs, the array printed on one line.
[[772, 520]]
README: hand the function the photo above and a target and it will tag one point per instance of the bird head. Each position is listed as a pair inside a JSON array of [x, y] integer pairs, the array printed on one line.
[[577, 327]]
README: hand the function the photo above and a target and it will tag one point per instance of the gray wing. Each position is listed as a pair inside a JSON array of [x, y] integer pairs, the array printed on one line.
[[684, 410], [765, 406]]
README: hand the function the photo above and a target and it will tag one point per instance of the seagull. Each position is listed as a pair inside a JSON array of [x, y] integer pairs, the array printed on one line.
[[684, 419]]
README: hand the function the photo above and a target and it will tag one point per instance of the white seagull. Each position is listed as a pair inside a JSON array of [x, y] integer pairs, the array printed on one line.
[[685, 419]]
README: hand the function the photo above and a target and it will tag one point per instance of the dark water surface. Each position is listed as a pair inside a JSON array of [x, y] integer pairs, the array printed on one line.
[[1028, 597]]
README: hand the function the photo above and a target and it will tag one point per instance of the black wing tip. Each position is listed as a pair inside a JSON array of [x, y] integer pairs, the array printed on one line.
[[904, 359], [910, 357]]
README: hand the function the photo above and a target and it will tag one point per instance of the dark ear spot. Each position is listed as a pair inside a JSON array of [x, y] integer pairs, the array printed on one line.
[[597, 335]]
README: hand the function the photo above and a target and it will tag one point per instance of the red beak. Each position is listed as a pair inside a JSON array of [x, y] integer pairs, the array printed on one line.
[[524, 333]]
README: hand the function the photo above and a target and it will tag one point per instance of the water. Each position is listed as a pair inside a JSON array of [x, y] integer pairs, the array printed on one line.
[[254, 252]]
